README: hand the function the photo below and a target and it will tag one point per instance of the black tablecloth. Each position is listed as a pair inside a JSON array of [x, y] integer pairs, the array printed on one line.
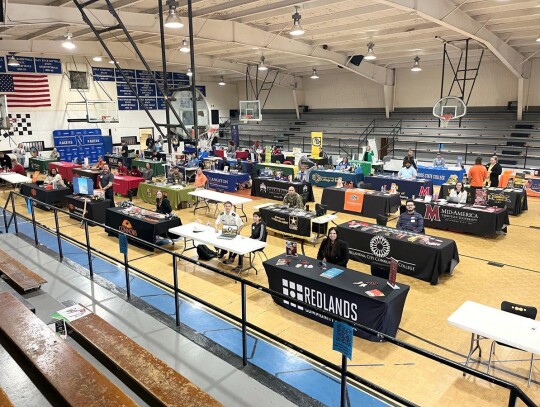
[[137, 227], [94, 174], [273, 189], [288, 220], [375, 202], [339, 295], [406, 188], [48, 196], [481, 222], [419, 256], [95, 210], [515, 200], [113, 159]]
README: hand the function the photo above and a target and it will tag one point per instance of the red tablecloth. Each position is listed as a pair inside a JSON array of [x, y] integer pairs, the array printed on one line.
[[65, 169], [123, 183], [220, 153], [242, 155]]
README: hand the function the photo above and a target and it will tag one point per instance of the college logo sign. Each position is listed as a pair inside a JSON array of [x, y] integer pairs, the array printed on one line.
[[316, 143], [127, 228], [432, 213], [424, 191], [33, 192], [293, 222], [379, 246], [263, 187], [293, 290]]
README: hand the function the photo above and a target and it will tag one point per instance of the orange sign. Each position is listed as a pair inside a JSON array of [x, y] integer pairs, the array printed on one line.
[[354, 200], [127, 228]]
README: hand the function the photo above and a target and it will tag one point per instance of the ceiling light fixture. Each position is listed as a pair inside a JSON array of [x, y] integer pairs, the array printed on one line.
[[111, 61], [184, 47], [314, 74], [173, 21], [97, 59], [12, 61], [262, 66], [68, 42], [538, 39], [296, 29], [370, 56], [416, 66], [221, 81], [189, 72]]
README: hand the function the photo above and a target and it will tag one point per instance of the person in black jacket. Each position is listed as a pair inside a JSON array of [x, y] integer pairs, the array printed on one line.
[[410, 158], [162, 203], [494, 170], [333, 250], [258, 232]]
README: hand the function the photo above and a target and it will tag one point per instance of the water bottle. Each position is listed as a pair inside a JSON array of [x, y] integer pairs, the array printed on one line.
[[382, 188], [323, 265]]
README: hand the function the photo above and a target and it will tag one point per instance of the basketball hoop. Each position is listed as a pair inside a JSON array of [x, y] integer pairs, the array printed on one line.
[[445, 119]]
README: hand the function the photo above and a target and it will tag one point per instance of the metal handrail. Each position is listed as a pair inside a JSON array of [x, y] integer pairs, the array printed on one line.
[[515, 392]]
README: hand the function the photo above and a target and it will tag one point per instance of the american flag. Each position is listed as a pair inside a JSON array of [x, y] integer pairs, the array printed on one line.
[[26, 90]]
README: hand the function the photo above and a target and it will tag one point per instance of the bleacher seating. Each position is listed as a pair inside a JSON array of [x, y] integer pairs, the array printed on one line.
[[73, 378], [22, 276], [494, 131]]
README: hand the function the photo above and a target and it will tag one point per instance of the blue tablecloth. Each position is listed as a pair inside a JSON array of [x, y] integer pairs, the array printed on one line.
[[328, 178], [247, 166], [406, 188], [439, 175], [223, 181]]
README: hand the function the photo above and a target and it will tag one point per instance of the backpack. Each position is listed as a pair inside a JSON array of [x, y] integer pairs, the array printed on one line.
[[205, 253]]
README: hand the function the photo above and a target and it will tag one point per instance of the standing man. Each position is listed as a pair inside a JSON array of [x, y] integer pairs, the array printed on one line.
[[477, 176], [125, 152], [303, 174], [494, 169], [228, 218], [439, 161], [410, 220], [407, 172], [293, 199], [106, 182], [410, 158]]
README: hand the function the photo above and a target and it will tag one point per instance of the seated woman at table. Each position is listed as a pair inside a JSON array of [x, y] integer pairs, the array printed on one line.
[[17, 167], [200, 179], [258, 232], [122, 169], [344, 164], [163, 205], [148, 172], [100, 163], [135, 172], [333, 250], [54, 178], [459, 193]]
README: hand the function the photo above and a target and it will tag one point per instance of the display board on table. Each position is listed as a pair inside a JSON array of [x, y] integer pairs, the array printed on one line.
[[79, 144]]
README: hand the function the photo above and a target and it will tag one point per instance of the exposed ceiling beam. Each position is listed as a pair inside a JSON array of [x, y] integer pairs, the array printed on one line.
[[121, 53], [227, 32], [446, 14], [42, 32]]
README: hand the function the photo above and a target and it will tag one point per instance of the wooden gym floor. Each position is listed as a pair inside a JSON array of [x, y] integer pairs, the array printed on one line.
[[424, 319]]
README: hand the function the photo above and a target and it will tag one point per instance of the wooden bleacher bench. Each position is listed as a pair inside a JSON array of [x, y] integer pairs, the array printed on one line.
[[156, 378], [6, 287], [17, 272], [77, 381], [4, 399]]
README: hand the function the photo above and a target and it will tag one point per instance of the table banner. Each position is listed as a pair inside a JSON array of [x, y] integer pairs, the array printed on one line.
[[354, 200]]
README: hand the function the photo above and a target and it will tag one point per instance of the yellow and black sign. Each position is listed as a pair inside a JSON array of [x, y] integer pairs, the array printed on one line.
[[316, 143]]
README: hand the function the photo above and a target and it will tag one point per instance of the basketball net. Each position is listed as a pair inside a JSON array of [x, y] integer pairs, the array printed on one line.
[[445, 119]]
